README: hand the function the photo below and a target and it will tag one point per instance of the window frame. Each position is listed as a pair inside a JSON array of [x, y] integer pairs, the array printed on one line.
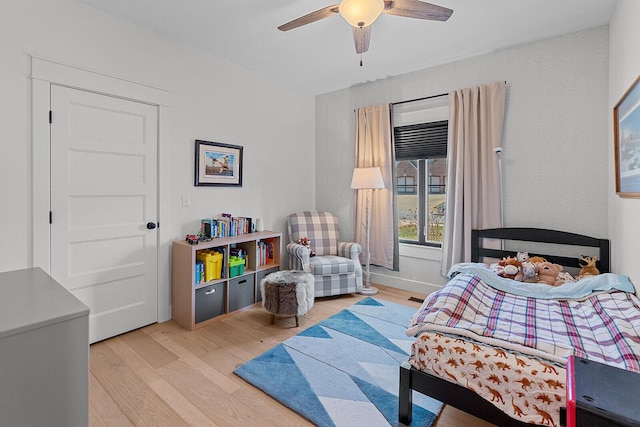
[[420, 112], [422, 195]]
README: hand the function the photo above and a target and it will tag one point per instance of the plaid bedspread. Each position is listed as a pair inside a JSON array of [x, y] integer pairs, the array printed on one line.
[[604, 327]]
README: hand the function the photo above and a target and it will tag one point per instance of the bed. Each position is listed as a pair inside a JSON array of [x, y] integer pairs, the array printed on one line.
[[497, 349]]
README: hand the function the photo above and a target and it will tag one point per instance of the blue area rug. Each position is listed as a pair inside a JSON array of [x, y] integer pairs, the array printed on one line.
[[344, 370]]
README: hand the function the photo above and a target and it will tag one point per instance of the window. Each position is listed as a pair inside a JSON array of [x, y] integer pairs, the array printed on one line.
[[420, 138], [407, 184]]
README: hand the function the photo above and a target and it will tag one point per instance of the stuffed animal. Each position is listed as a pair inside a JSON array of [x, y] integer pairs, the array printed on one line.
[[304, 241], [537, 259], [528, 273], [588, 264], [522, 256], [511, 267], [566, 277], [548, 273], [496, 268]]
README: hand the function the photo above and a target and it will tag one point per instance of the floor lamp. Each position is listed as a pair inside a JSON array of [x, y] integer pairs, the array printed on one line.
[[367, 179]]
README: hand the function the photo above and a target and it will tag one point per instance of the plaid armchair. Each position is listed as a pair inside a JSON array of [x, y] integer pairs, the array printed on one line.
[[336, 265]]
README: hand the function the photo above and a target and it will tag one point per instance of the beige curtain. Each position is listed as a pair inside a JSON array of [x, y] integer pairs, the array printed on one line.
[[374, 148], [476, 117]]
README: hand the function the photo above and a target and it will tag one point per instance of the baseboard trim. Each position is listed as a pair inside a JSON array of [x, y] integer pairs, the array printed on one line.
[[420, 288]]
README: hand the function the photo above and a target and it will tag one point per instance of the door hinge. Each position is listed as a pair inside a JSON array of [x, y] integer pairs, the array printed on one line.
[[50, 217], [50, 116]]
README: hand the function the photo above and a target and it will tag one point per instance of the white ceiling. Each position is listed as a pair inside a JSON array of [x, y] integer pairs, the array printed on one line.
[[320, 57]]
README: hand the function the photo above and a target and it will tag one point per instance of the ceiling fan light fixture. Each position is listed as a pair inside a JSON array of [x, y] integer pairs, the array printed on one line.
[[360, 13]]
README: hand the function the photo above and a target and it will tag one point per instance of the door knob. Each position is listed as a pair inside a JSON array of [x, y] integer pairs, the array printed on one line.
[[151, 225]]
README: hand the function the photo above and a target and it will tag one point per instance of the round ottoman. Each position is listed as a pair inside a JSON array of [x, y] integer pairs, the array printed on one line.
[[287, 293]]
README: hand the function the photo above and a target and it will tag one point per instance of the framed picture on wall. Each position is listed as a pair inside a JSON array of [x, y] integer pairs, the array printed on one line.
[[218, 164], [626, 139]]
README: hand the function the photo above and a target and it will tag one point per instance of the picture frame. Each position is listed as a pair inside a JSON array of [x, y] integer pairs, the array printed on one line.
[[218, 164], [626, 139]]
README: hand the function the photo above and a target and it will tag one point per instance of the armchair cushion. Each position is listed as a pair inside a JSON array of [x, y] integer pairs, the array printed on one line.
[[320, 227], [331, 264]]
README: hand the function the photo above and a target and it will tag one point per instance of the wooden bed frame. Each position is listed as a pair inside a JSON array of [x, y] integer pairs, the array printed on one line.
[[461, 397]]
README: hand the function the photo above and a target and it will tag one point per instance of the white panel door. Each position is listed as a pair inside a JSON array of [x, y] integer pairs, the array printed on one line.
[[104, 205]]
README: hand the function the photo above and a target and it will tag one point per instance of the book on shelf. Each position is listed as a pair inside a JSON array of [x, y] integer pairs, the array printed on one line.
[[226, 226], [264, 250], [224, 262], [239, 252], [270, 253], [199, 272]]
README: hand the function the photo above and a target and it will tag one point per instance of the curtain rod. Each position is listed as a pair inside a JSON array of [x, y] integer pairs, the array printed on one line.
[[419, 99], [423, 98]]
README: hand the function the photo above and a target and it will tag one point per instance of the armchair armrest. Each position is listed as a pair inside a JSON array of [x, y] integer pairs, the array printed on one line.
[[298, 257], [350, 250]]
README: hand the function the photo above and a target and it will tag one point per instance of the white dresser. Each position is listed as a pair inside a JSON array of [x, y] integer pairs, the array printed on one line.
[[44, 352]]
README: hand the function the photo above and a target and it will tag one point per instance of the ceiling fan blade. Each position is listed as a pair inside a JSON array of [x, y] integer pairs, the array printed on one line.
[[361, 37], [309, 18], [417, 9]]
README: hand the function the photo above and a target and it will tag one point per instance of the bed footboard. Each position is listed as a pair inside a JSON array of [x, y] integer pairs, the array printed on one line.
[[405, 401], [447, 393]]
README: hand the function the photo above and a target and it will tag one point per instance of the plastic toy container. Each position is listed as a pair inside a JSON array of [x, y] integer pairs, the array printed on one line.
[[236, 266], [212, 264]]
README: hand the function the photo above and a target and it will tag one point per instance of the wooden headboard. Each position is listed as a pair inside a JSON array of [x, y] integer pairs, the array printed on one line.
[[539, 235]]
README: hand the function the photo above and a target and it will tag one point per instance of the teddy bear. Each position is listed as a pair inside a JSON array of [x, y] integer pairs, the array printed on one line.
[[548, 273], [537, 259], [588, 264], [306, 242], [511, 267]]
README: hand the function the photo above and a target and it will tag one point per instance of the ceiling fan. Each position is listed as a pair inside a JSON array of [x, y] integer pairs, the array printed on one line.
[[360, 14]]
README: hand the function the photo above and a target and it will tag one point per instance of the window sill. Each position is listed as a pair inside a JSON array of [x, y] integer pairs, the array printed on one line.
[[419, 251]]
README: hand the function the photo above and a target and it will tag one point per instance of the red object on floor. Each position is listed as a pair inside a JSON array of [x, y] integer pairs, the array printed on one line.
[[571, 394], [601, 395]]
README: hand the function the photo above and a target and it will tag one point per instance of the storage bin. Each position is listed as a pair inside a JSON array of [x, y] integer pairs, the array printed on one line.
[[212, 264], [241, 292], [209, 302], [236, 266]]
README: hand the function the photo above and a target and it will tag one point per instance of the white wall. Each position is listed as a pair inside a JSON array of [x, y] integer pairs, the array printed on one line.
[[556, 138], [209, 99], [624, 227], [557, 125]]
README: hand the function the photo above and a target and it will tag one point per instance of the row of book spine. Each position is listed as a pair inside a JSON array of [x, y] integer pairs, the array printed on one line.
[[264, 252], [199, 272], [226, 226]]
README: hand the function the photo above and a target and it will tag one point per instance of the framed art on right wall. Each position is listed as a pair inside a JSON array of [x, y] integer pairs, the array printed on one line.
[[626, 140]]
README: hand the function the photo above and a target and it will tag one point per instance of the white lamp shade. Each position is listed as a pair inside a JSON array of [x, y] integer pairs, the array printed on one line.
[[360, 13], [366, 178]]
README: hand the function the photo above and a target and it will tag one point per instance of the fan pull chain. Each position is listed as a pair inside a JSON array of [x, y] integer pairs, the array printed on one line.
[[361, 59]]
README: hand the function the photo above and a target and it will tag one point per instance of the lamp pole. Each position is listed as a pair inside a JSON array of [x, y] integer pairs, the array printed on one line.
[[367, 289], [367, 179]]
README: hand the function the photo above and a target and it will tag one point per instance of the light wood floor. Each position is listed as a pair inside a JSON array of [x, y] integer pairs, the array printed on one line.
[[163, 374]]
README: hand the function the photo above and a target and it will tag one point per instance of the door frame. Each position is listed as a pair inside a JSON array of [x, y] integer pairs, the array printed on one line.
[[44, 73]]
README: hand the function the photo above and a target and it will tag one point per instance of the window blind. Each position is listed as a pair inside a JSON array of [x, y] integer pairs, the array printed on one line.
[[421, 141]]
